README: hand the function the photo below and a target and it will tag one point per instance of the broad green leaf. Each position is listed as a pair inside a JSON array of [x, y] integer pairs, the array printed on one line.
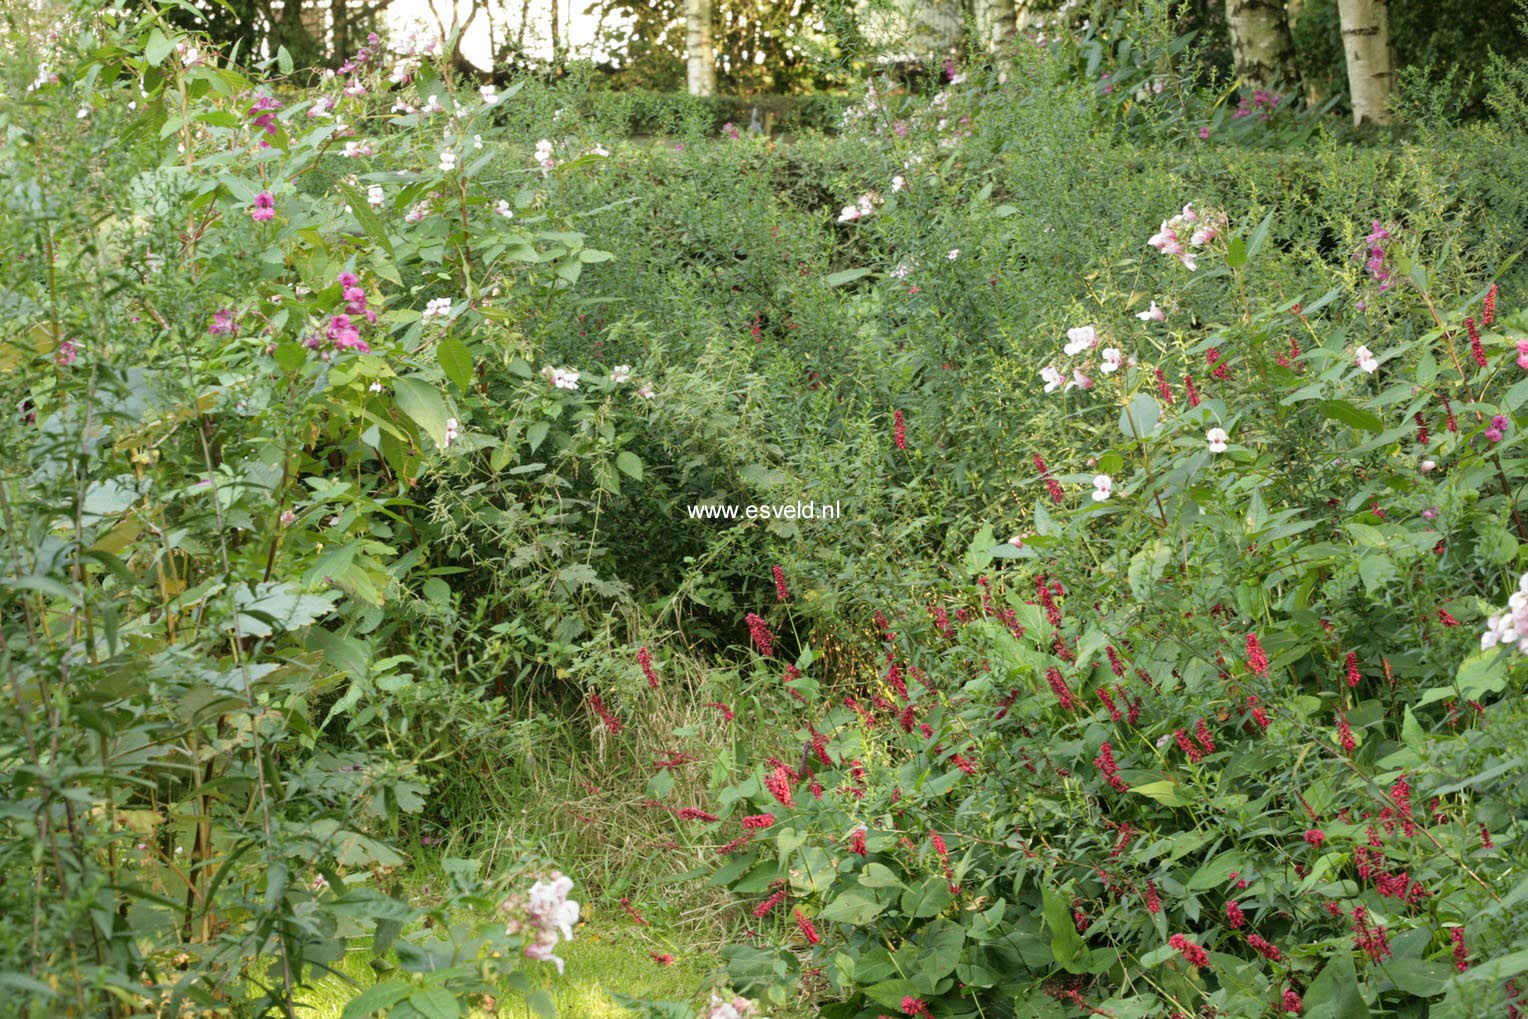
[[838, 279], [455, 361], [157, 48], [375, 998], [855, 906], [629, 464], [422, 403], [436, 1003], [1139, 419], [1348, 414], [927, 899], [1066, 943], [1335, 993]]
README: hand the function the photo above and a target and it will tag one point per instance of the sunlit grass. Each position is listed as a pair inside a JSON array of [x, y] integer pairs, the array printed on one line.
[[596, 961]]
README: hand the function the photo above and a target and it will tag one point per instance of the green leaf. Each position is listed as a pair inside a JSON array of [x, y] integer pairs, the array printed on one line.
[[855, 906], [290, 357], [157, 48], [1419, 977], [629, 464], [455, 361], [1236, 253], [375, 998], [838, 279], [1377, 571], [939, 947], [1066, 943], [536, 433], [284, 60], [1335, 994], [1259, 237], [435, 1003], [927, 899], [1341, 410], [1140, 418], [878, 875], [1164, 792], [541, 1003], [422, 403]]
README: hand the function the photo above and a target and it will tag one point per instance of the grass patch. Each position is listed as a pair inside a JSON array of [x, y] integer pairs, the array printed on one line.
[[597, 960]]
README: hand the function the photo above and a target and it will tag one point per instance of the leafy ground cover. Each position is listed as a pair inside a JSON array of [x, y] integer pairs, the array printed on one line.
[[1160, 662]]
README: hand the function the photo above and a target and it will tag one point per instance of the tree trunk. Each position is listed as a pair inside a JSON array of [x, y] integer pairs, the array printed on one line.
[[700, 49], [1371, 64], [996, 22], [935, 28], [1261, 44]]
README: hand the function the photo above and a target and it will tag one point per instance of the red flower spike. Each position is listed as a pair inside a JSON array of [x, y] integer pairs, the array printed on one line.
[[1477, 351], [782, 593], [807, 930]]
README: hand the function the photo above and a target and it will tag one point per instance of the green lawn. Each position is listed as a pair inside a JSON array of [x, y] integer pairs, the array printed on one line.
[[596, 960]]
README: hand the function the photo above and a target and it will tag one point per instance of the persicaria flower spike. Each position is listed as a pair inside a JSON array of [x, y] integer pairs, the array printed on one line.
[[758, 630], [1257, 661], [1193, 954]]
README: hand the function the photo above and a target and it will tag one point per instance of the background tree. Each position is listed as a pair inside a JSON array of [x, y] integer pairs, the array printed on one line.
[[700, 49], [1261, 43], [1370, 59]]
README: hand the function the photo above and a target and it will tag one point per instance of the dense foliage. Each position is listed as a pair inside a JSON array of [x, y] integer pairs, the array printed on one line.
[[363, 522]]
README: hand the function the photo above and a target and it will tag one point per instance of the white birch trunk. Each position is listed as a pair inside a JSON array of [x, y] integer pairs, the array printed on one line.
[[996, 22], [1263, 49], [700, 48], [1371, 62]]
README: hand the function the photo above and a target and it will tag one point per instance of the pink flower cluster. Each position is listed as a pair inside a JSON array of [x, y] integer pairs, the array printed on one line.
[[1374, 256], [343, 331], [264, 112], [1201, 230], [735, 1007], [542, 914]]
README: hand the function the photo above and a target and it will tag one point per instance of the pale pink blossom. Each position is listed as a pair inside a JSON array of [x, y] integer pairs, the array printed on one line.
[[1079, 339], [1152, 314], [1110, 359], [1217, 439], [1103, 487]]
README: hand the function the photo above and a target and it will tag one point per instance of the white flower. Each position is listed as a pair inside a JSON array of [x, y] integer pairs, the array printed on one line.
[[543, 151], [848, 214], [82, 112], [620, 373], [1111, 359], [561, 378], [1217, 438], [1103, 487], [503, 209], [1053, 378], [375, 387], [447, 161], [646, 392], [439, 307], [432, 104], [899, 183], [375, 195], [1151, 314], [1365, 359], [953, 254], [1427, 466], [451, 432], [1080, 380], [477, 141], [418, 212], [489, 93], [599, 150], [901, 270], [1080, 338]]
